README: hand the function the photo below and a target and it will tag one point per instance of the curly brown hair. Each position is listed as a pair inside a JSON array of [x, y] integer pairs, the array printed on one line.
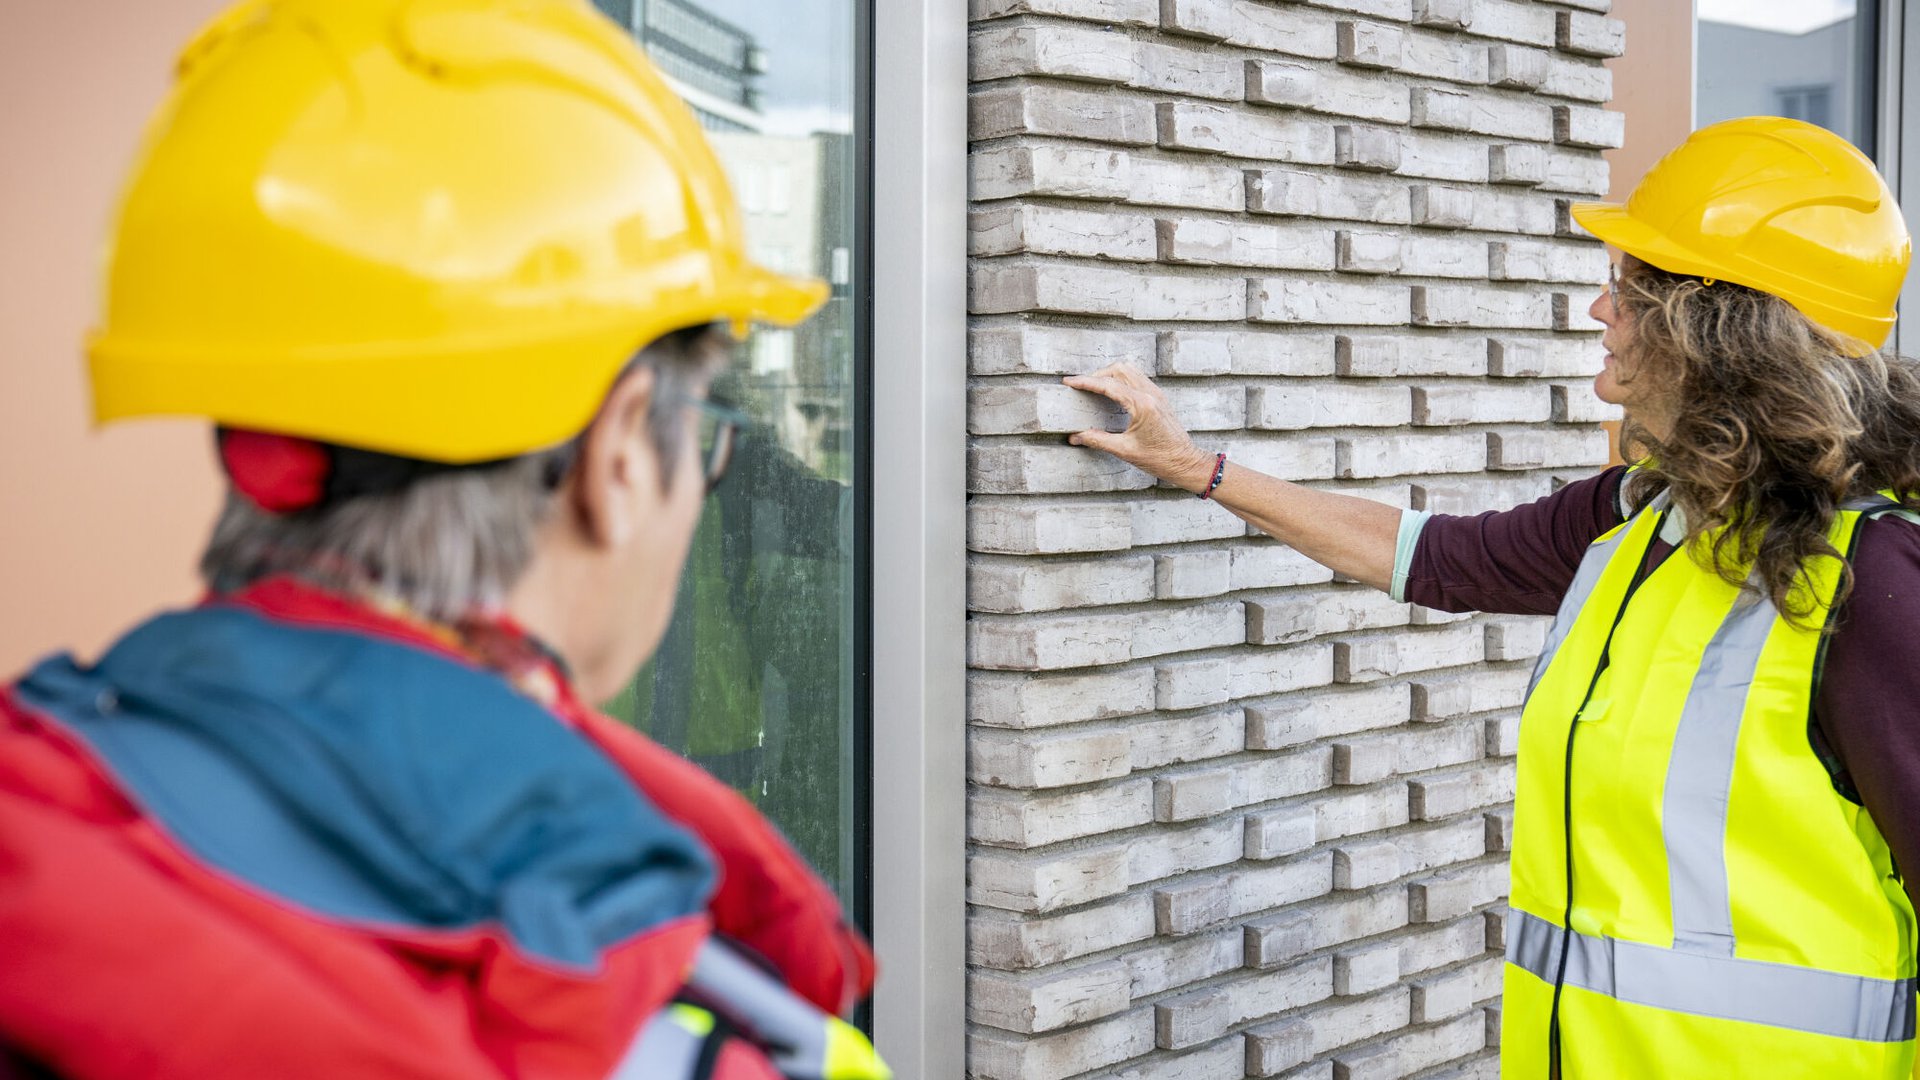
[[1777, 422]]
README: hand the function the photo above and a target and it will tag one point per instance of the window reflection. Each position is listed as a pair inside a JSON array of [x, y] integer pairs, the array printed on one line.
[[755, 679], [1809, 60]]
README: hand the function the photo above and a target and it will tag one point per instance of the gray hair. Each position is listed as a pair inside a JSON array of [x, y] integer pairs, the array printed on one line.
[[452, 541]]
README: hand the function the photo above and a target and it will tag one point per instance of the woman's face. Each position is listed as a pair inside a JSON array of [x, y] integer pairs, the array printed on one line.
[[1624, 380]]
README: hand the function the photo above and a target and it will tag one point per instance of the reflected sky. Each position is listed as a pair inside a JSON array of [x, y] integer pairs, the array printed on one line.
[[808, 45], [1784, 16]]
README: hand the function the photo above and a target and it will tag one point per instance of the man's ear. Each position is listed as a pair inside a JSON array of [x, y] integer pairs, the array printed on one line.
[[617, 463]]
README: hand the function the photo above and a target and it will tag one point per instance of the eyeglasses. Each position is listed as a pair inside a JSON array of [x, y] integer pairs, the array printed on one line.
[[1613, 286], [719, 433]]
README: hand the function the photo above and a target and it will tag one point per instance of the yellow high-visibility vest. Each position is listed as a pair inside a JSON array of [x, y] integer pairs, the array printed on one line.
[[1725, 912]]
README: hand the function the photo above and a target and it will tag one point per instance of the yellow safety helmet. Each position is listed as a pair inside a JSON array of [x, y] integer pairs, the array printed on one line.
[[1776, 205], [432, 228]]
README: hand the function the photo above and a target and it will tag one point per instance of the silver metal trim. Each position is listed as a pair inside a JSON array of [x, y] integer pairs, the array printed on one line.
[[919, 534]]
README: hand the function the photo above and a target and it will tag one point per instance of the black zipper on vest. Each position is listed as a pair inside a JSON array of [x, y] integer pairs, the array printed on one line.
[[1566, 798]]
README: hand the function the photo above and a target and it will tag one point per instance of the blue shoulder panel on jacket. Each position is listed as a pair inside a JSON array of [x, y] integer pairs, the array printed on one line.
[[373, 782]]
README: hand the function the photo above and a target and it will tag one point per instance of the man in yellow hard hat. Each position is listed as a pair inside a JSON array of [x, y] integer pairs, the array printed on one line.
[[451, 278], [1719, 768]]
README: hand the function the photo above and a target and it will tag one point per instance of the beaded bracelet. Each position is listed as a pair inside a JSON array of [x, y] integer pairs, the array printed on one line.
[[1219, 474]]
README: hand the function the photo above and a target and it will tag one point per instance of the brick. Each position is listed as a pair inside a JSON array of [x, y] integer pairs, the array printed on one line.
[[1364, 865], [1020, 285], [1275, 1048], [1592, 128], [1204, 242], [1188, 575], [1366, 811], [992, 1055], [1124, 12], [1441, 845], [1281, 776], [1365, 761], [1465, 305], [1025, 820], [1275, 992], [1433, 798], [1367, 149], [1507, 212], [1298, 406], [1577, 173], [1243, 134], [1172, 851], [1196, 795], [1520, 358], [1268, 564], [1059, 110], [1362, 971], [1026, 349], [1258, 672], [1475, 494], [1293, 30], [1367, 253], [1514, 20], [1036, 530], [1019, 881], [1398, 455], [1189, 909], [1496, 923], [1207, 1063], [1152, 182], [1517, 163], [1076, 755], [1062, 51], [1443, 945], [1447, 110], [1044, 643], [1209, 20], [1377, 200], [1052, 230], [1442, 207], [1169, 68], [1322, 90], [1005, 586], [1382, 356], [1161, 967], [1397, 10], [1572, 314], [1275, 833], [1479, 403], [1576, 404], [1503, 735], [1585, 34], [1191, 1019], [1419, 1049], [1284, 937], [1022, 701], [1185, 629], [1438, 747], [1578, 79], [1369, 45], [1291, 722], [1369, 658], [1439, 155], [1193, 684], [1344, 1023], [1048, 1000], [1516, 639], [1443, 14], [1546, 449], [1180, 739], [1074, 172], [1021, 942], [1293, 300], [1445, 698], [1430, 255], [1497, 832], [1516, 67]]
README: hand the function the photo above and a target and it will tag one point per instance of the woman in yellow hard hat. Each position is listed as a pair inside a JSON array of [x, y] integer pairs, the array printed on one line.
[[1719, 764]]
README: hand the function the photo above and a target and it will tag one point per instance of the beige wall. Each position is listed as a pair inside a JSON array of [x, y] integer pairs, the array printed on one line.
[[95, 528], [1653, 85]]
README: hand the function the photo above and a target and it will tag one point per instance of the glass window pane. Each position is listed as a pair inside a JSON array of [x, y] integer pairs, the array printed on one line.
[[756, 679], [1811, 60]]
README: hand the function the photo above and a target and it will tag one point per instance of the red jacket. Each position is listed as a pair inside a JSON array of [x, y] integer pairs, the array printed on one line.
[[128, 954]]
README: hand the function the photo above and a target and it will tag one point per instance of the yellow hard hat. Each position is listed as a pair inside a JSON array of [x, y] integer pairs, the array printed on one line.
[[1776, 205], [433, 228]]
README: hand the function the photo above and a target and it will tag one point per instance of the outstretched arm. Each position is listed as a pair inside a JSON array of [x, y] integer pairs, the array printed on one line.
[[1353, 536]]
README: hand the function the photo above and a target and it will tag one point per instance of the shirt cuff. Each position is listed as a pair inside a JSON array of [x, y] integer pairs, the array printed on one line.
[[1412, 522]]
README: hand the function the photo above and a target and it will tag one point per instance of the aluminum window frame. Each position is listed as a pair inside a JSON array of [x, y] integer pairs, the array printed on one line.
[[917, 426]]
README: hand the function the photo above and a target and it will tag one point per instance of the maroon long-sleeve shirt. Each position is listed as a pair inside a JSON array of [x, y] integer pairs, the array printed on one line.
[[1867, 709]]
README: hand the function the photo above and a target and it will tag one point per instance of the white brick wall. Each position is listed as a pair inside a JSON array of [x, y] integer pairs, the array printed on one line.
[[1228, 816]]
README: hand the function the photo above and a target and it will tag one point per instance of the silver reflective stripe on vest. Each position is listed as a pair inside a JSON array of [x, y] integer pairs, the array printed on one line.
[[1700, 778], [664, 1050], [1725, 987], [1592, 564]]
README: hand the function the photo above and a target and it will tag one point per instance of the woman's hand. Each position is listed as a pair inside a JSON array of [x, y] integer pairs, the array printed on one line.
[[1154, 440]]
